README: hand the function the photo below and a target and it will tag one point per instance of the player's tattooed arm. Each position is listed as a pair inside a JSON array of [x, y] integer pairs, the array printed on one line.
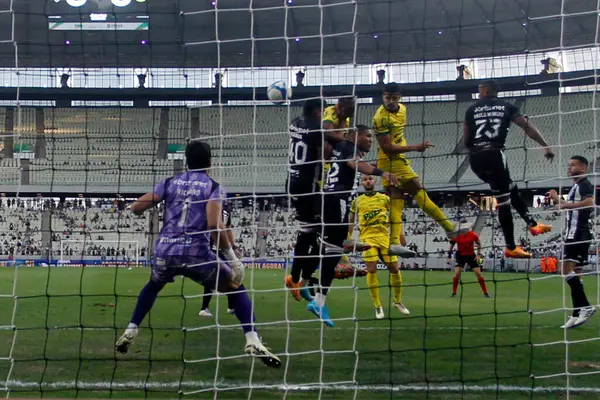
[[145, 202], [531, 131], [216, 225], [385, 143], [333, 134], [451, 251], [368, 169], [350, 224]]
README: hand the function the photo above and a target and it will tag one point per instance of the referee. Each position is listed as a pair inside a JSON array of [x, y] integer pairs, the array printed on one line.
[[577, 236]]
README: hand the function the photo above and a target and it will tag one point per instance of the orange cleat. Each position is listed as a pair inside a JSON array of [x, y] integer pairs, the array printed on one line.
[[294, 287], [517, 252], [539, 229]]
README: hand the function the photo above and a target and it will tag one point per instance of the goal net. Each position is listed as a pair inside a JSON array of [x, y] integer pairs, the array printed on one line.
[[99, 120]]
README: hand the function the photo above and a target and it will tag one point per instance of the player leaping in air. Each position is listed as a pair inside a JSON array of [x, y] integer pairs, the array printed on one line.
[[487, 122], [304, 170], [193, 203], [465, 255], [577, 236], [373, 210], [389, 123], [339, 186]]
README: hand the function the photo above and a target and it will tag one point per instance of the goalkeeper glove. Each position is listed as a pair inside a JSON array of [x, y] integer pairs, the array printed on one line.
[[237, 267]]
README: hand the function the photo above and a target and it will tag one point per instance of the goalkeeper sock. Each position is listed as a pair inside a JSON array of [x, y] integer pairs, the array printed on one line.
[[432, 210], [145, 301], [506, 223], [396, 280], [481, 281], [207, 298], [397, 205], [242, 306], [455, 281], [373, 284]]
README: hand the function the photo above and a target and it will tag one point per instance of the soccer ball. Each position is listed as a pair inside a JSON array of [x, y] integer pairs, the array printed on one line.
[[279, 92]]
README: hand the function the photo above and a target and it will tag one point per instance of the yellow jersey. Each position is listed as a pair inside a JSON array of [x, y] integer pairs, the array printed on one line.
[[373, 210], [393, 124], [330, 115]]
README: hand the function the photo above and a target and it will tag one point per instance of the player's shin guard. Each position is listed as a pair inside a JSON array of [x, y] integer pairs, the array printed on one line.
[[146, 300], [307, 240], [396, 281], [397, 205], [520, 206], [373, 283], [506, 220], [432, 210]]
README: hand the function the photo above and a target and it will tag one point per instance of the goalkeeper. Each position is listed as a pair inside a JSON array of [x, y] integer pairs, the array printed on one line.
[[373, 211]]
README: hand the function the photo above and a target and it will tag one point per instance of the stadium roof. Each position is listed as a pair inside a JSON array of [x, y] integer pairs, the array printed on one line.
[[383, 31]]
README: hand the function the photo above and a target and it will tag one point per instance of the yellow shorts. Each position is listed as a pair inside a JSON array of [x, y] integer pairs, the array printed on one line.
[[379, 249], [375, 254], [401, 168]]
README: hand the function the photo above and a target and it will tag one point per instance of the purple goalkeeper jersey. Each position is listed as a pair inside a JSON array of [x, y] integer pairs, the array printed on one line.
[[184, 232]]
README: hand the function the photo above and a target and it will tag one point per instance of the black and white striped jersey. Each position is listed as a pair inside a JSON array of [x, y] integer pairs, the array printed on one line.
[[578, 220]]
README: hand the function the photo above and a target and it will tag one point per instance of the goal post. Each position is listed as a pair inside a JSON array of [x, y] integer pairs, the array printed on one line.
[[82, 250]]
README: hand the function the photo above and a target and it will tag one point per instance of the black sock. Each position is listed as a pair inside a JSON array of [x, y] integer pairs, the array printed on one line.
[[229, 302], [305, 245], [521, 207], [506, 223], [328, 266], [577, 294], [312, 263], [207, 297]]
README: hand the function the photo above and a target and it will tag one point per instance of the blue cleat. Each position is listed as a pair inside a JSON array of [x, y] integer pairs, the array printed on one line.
[[320, 312], [305, 294]]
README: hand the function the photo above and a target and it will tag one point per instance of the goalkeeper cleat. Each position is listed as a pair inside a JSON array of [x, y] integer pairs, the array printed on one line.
[[257, 349], [126, 340], [205, 313], [453, 295], [379, 313], [584, 314], [293, 286], [230, 311], [401, 251], [320, 312], [539, 229], [517, 252], [570, 323], [402, 308], [305, 294], [352, 246]]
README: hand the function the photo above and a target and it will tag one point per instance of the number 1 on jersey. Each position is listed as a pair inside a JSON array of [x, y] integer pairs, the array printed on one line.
[[184, 211]]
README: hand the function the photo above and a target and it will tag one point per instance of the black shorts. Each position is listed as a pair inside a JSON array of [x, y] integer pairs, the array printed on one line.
[[335, 218], [462, 261], [576, 252], [308, 205], [490, 166]]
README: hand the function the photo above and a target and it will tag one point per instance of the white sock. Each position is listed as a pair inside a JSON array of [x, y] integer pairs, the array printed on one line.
[[132, 326], [252, 336], [320, 299]]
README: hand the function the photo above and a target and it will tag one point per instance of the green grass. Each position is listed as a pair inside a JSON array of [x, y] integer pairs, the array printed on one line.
[[428, 347]]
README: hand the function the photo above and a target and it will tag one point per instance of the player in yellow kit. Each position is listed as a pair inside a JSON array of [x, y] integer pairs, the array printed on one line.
[[373, 210], [389, 123]]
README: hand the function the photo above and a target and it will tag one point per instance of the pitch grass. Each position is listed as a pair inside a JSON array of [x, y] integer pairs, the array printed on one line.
[[428, 347]]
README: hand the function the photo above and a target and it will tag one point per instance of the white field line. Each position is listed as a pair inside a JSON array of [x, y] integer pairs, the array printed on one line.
[[105, 385]]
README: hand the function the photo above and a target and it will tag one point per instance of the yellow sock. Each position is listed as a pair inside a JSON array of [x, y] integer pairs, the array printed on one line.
[[396, 280], [396, 207], [432, 210], [373, 284]]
